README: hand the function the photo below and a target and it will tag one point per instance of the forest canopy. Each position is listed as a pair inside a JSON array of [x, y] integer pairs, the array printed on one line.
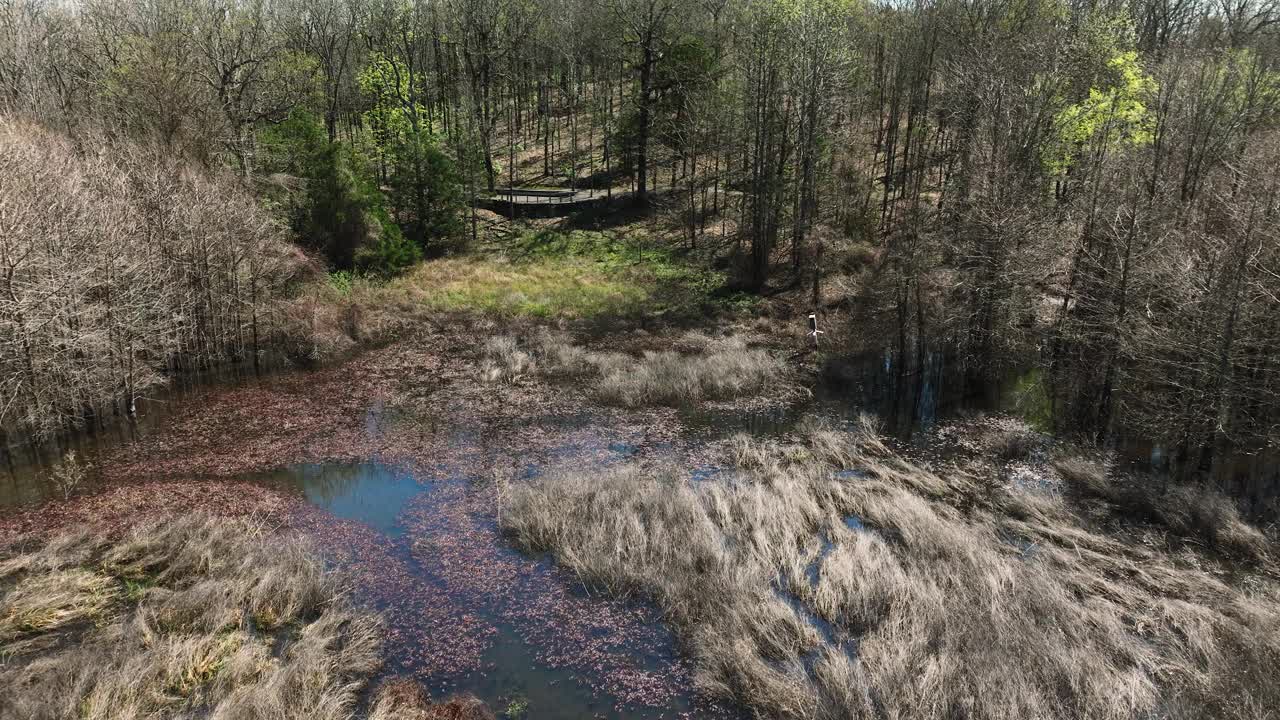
[[1090, 186]]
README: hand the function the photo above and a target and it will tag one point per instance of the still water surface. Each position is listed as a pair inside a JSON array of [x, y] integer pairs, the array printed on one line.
[[547, 644]]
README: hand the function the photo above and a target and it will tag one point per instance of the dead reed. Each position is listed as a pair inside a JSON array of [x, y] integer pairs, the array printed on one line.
[[718, 368], [190, 617], [830, 578], [1191, 512]]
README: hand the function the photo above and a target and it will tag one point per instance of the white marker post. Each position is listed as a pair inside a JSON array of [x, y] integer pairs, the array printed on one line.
[[814, 332]]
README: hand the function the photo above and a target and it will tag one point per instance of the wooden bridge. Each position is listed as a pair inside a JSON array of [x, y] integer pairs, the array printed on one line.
[[541, 203]]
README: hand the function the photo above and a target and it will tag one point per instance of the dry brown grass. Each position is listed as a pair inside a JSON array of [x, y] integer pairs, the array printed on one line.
[[319, 326], [727, 369], [1087, 477], [1191, 512], [405, 700], [504, 360], [191, 617], [713, 368], [46, 602], [903, 593], [1014, 445]]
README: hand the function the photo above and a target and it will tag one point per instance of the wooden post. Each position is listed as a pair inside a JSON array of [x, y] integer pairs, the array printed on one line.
[[814, 332]]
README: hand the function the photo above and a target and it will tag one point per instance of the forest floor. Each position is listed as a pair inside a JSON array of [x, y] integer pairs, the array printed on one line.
[[1115, 602]]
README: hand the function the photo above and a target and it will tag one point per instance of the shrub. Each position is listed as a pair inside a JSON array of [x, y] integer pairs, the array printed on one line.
[[1012, 445], [425, 191], [69, 474], [317, 327], [388, 252], [336, 212]]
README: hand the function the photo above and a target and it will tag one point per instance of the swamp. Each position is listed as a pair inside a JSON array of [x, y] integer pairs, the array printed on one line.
[[565, 529], [639, 359]]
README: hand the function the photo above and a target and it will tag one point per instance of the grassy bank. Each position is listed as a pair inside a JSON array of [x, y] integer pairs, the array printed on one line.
[[558, 286], [830, 578], [197, 617], [558, 272], [538, 273]]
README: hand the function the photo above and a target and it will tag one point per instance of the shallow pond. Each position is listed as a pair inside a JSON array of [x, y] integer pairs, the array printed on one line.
[[468, 614]]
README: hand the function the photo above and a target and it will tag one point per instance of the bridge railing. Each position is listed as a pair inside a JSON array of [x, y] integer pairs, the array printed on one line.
[[551, 195]]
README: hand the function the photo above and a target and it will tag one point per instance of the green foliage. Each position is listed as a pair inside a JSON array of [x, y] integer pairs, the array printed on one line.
[[625, 139], [295, 145], [689, 73], [330, 215], [1112, 116], [517, 708], [425, 190], [339, 213], [295, 77], [553, 287], [135, 589], [688, 66], [548, 273], [390, 252], [341, 281], [1028, 398], [386, 85], [1248, 87], [424, 187], [609, 251], [676, 284]]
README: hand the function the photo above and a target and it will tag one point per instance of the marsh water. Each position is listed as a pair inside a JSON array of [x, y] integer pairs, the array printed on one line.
[[468, 613], [24, 463], [908, 400], [498, 624]]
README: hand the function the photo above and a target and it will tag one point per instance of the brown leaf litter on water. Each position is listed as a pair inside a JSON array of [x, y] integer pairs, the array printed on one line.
[[448, 585]]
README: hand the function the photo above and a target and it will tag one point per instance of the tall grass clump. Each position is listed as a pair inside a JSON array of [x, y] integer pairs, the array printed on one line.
[[195, 617], [327, 321], [897, 592], [716, 369], [1185, 510], [726, 369], [406, 700], [504, 360], [1087, 477]]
